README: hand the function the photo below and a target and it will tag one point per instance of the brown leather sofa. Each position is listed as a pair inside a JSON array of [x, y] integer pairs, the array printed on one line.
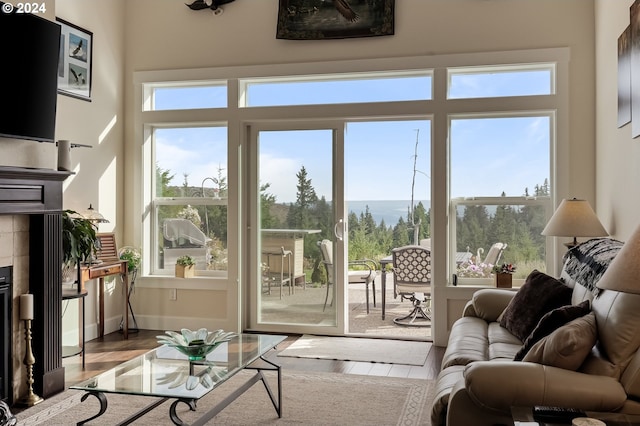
[[480, 382]]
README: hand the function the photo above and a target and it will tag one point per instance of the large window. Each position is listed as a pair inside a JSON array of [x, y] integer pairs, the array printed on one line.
[[500, 174], [190, 198], [492, 122]]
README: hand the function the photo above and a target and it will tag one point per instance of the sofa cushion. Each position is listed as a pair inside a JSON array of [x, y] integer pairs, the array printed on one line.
[[550, 322], [539, 294], [587, 262], [568, 346]]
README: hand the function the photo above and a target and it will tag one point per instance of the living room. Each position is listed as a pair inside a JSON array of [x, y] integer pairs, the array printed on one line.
[[596, 159]]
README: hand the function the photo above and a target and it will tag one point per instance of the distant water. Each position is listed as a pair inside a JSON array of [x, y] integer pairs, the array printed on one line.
[[389, 210]]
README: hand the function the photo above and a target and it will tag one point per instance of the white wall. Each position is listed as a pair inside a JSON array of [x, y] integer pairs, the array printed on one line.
[[99, 170], [617, 153]]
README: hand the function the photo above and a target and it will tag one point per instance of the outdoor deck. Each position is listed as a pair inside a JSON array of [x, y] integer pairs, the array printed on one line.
[[306, 306]]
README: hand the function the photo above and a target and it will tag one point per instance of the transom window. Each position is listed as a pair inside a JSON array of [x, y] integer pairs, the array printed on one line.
[[339, 89], [501, 81]]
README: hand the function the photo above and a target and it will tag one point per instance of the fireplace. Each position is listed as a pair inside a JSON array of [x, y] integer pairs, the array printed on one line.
[[37, 193], [6, 293]]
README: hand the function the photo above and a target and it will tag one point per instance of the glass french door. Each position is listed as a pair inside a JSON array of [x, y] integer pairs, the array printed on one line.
[[296, 230]]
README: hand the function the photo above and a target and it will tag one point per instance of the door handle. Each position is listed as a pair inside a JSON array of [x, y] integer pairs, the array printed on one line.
[[338, 230]]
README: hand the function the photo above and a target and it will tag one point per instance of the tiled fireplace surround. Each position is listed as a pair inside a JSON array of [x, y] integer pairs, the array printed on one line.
[[31, 241]]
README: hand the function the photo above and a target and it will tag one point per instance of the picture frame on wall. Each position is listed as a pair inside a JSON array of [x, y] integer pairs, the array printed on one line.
[[634, 12], [624, 77], [75, 61], [320, 20]]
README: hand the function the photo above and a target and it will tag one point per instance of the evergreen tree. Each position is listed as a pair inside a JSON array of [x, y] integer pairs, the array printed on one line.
[[300, 212], [401, 234]]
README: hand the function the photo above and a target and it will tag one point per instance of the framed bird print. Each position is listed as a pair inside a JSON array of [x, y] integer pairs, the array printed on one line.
[[74, 64], [334, 19]]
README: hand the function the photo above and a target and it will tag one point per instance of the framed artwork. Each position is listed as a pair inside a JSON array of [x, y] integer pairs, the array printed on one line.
[[624, 77], [635, 68], [74, 65], [335, 19]]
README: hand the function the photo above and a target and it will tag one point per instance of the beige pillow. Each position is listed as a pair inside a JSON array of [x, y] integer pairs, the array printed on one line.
[[568, 346]]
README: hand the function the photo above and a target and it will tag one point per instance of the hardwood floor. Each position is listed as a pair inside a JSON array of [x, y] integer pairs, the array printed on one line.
[[111, 350]]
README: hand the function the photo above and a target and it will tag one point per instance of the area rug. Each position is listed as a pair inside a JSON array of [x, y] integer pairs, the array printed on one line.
[[359, 349], [309, 398]]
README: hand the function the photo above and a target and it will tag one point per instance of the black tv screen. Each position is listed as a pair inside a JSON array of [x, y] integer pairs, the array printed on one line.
[[29, 47]]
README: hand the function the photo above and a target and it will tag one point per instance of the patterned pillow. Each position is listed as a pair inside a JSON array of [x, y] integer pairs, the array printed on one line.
[[568, 346], [587, 262], [538, 295], [550, 322]]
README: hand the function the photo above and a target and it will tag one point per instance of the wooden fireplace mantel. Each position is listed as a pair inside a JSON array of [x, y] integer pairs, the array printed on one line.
[[38, 193]]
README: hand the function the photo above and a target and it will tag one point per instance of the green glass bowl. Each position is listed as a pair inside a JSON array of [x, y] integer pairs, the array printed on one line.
[[196, 352]]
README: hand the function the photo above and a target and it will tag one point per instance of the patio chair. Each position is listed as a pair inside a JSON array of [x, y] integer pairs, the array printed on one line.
[[366, 275], [182, 237], [495, 253], [412, 281]]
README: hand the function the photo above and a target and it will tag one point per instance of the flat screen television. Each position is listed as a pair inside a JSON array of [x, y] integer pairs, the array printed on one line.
[[29, 49]]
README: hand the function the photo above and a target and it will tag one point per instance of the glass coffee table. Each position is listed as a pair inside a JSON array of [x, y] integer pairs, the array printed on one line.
[[164, 373]]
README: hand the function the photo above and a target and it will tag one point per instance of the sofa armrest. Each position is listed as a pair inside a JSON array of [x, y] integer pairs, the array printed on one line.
[[500, 385], [488, 303]]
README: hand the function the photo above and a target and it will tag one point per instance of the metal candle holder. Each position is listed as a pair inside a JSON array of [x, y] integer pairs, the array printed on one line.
[[31, 399]]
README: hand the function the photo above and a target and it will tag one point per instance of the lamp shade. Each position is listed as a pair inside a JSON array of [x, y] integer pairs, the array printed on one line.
[[624, 270], [94, 215], [574, 218]]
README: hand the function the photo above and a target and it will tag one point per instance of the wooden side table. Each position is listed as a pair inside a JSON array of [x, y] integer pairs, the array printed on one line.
[[99, 272]]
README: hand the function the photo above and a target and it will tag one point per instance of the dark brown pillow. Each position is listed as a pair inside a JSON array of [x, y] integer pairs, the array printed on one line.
[[539, 294], [550, 322]]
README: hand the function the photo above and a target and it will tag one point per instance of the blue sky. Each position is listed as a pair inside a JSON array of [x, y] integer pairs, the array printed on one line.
[[488, 156]]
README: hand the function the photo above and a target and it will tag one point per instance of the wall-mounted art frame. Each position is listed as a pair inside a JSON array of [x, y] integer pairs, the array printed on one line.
[[624, 77], [336, 19], [74, 65], [634, 15]]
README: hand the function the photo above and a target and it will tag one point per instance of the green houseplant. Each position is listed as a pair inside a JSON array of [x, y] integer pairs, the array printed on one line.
[[185, 266], [79, 239]]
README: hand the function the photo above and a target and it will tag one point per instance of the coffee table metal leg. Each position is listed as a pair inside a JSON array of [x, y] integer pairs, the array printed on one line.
[[242, 389], [277, 405], [103, 406], [172, 411]]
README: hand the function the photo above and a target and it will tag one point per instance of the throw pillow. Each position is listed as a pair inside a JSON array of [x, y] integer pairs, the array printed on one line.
[[550, 322], [538, 295], [568, 346]]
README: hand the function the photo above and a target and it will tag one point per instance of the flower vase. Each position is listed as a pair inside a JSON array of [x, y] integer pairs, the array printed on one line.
[[503, 280], [185, 271]]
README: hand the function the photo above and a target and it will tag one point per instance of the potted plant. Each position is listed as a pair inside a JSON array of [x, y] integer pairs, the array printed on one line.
[[185, 266], [504, 274], [79, 240]]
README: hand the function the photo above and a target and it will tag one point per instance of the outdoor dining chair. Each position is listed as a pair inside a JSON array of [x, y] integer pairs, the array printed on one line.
[[412, 281], [365, 275]]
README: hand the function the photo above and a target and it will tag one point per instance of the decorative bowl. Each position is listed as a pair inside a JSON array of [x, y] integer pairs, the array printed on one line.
[[195, 344], [196, 352]]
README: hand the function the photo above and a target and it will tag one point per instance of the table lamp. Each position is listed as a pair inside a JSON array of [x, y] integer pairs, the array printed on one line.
[[574, 218]]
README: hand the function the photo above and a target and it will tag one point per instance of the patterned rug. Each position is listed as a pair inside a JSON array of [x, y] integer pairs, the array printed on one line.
[[308, 398]]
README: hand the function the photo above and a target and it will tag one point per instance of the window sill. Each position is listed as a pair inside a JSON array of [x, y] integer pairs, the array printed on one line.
[[195, 283]]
